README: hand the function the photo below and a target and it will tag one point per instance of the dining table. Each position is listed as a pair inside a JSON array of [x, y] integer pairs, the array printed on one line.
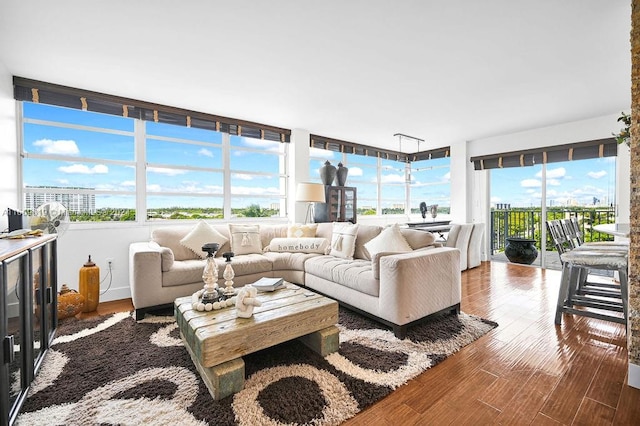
[[616, 229]]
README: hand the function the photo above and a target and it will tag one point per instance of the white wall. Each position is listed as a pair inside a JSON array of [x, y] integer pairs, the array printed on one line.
[[8, 147]]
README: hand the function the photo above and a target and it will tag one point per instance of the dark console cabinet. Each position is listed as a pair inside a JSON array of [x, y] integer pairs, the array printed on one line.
[[340, 205], [28, 316]]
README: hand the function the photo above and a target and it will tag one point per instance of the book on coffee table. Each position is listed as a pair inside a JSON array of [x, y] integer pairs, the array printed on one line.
[[268, 284]]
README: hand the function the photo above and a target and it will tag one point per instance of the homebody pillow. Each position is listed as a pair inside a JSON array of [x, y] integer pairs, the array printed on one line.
[[299, 245]]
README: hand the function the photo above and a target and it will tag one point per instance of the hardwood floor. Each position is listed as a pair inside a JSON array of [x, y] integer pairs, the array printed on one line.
[[526, 371]]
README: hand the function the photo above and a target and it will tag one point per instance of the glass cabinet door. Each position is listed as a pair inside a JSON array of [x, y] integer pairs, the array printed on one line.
[[14, 270], [37, 292]]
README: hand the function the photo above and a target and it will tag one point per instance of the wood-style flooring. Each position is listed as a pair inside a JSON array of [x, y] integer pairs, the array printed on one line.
[[526, 371]]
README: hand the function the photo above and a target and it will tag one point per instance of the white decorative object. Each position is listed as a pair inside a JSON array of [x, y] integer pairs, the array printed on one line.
[[228, 275], [210, 275], [246, 301], [199, 306]]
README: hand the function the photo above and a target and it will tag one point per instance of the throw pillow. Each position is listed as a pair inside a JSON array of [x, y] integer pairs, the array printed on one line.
[[299, 230], [245, 239], [299, 245], [390, 239], [343, 239], [201, 234]]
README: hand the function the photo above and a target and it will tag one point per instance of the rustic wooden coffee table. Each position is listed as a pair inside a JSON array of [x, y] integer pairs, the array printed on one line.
[[217, 340]]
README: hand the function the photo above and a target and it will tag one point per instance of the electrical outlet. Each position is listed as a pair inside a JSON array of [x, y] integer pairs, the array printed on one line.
[[110, 262]]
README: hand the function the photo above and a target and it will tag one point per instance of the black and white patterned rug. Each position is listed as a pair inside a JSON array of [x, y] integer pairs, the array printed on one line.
[[112, 370]]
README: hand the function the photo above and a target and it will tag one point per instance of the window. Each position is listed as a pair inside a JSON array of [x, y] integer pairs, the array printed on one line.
[[431, 184], [184, 172], [88, 161], [382, 183], [258, 181], [84, 160]]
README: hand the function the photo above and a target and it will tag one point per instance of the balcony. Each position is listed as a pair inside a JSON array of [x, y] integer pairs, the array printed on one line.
[[528, 223]]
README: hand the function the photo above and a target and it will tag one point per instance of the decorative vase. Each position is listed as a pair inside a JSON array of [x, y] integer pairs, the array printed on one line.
[[90, 286], [341, 174], [70, 302], [327, 173], [521, 250]]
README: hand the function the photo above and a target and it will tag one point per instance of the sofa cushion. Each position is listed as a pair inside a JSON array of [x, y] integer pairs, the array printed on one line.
[[390, 239], [288, 261], [245, 239], [170, 236], [247, 264], [269, 232], [365, 234], [299, 230], [356, 274], [299, 245], [200, 235], [418, 239], [184, 272], [343, 239]]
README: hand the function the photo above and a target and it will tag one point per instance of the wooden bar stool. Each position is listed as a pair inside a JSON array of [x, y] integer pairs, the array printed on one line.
[[574, 292]]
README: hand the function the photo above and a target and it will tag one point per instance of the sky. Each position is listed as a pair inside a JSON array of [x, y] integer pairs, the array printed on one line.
[[111, 157]]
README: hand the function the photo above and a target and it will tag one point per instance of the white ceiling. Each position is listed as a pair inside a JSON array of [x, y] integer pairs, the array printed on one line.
[[357, 70]]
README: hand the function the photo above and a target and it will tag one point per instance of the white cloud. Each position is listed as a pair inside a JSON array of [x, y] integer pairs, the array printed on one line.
[[553, 182], [597, 175], [262, 144], [355, 171], [496, 199], [530, 183], [242, 176], [63, 181], [250, 190], [82, 169], [446, 177], [392, 179], [129, 183], [558, 173], [154, 188], [317, 152], [167, 172], [61, 147], [205, 152]]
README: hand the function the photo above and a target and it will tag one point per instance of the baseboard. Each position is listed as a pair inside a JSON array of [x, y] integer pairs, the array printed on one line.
[[634, 375], [117, 293]]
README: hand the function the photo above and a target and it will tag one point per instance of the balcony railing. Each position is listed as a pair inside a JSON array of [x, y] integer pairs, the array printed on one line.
[[527, 223]]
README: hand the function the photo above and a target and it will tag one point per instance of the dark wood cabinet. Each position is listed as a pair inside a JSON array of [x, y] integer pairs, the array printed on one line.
[[28, 316], [340, 205]]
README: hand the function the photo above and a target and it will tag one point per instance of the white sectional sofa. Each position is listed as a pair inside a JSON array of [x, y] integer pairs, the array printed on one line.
[[406, 279]]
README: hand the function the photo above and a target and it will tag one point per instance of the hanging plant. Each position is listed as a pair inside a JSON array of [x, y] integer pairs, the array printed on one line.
[[624, 136]]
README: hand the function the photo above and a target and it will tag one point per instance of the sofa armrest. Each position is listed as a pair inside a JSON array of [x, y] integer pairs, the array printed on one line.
[[375, 262], [145, 271], [419, 283]]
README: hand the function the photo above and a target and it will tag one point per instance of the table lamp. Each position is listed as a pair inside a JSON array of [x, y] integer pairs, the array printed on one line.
[[310, 193]]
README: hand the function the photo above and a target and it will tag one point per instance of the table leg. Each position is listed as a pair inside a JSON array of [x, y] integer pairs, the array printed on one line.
[[323, 342], [222, 380]]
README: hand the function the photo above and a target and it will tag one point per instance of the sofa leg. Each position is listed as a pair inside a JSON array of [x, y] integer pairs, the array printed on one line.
[[400, 331], [139, 314], [456, 309]]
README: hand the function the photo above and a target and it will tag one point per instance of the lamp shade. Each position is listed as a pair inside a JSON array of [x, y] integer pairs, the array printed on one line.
[[310, 192]]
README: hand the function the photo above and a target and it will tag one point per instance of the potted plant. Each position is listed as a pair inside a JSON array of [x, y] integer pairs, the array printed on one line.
[[624, 136]]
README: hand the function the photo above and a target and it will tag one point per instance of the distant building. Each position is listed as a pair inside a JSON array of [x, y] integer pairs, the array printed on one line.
[[75, 203]]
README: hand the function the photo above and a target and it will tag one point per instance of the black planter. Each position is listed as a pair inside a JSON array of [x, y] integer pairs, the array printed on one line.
[[521, 250]]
